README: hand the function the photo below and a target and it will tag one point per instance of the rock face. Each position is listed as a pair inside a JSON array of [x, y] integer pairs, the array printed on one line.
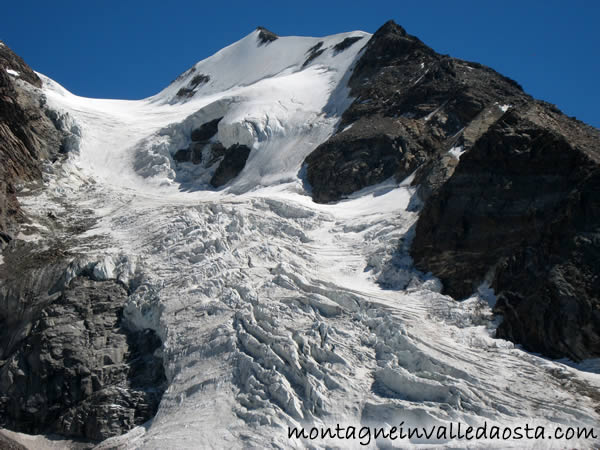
[[522, 211], [509, 185], [201, 137], [231, 165], [265, 36], [206, 131], [80, 372], [27, 135], [205, 149], [366, 154], [9, 60], [411, 105], [69, 364], [433, 174]]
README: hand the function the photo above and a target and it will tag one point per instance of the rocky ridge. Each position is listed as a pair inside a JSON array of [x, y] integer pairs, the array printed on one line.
[[508, 185], [27, 136], [412, 105]]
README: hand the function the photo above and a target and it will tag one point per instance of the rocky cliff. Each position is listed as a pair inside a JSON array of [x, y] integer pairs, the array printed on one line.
[[411, 105], [509, 185], [27, 135], [78, 372], [522, 212]]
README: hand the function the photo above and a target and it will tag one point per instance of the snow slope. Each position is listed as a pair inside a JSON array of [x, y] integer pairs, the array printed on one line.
[[275, 311]]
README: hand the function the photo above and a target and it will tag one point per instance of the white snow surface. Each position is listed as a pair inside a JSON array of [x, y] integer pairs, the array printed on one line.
[[457, 151], [12, 72], [276, 311]]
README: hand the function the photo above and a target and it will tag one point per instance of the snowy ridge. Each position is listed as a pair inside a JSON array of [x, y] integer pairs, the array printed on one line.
[[272, 308], [248, 61]]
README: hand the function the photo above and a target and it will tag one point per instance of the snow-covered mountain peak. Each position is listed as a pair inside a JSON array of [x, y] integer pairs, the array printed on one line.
[[259, 55], [277, 97]]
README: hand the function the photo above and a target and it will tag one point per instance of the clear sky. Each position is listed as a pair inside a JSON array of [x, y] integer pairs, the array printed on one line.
[[132, 49]]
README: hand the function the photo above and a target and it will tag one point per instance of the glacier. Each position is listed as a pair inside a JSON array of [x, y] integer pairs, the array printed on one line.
[[276, 311]]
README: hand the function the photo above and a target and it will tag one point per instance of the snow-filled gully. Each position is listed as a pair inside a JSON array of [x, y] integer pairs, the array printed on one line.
[[271, 312]]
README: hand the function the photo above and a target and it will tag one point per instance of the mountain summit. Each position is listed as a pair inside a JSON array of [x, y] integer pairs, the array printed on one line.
[[349, 231]]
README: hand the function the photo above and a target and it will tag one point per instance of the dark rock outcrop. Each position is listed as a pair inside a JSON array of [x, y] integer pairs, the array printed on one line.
[[199, 79], [201, 137], [434, 173], [265, 36], [217, 151], [196, 152], [206, 131], [185, 92], [522, 211], [206, 150], [369, 152], [315, 48], [27, 135], [346, 43], [411, 105], [80, 372], [183, 155], [232, 164], [314, 52], [518, 209], [189, 90]]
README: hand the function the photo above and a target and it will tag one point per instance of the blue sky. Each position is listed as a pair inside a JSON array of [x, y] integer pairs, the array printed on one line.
[[132, 49]]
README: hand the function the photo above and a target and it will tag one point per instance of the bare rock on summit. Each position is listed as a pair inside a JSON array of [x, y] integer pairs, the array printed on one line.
[[265, 36], [411, 105]]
